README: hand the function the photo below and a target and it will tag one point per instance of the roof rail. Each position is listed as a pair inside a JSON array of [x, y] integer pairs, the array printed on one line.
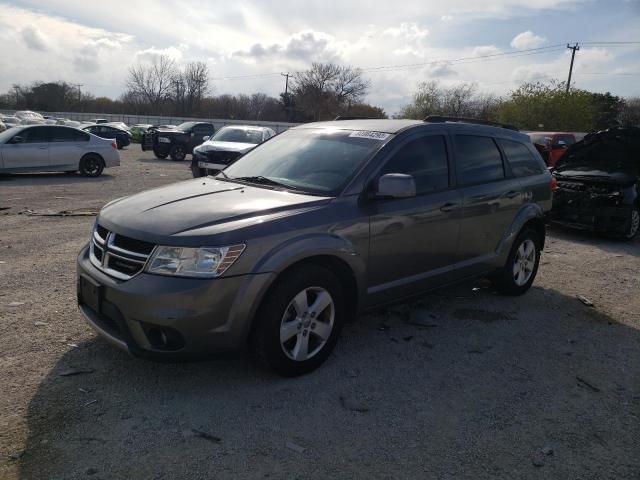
[[350, 117], [442, 119]]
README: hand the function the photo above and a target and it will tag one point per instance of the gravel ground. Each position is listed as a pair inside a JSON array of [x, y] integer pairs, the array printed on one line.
[[461, 384]]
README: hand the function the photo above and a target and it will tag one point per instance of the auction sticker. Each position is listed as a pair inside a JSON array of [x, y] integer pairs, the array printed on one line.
[[370, 135]]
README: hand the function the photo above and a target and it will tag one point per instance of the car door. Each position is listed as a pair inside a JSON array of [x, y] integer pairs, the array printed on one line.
[[491, 197], [413, 240], [28, 149], [67, 145]]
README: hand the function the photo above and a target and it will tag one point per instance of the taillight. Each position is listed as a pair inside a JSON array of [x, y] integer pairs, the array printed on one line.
[[553, 183], [114, 144]]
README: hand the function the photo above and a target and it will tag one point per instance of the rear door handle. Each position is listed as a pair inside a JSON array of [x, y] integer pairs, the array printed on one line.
[[512, 194], [448, 207]]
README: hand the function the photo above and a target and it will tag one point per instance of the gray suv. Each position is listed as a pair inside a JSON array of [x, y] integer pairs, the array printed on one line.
[[307, 230]]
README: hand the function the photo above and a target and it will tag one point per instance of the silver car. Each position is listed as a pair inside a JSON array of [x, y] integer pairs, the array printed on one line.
[[51, 148]]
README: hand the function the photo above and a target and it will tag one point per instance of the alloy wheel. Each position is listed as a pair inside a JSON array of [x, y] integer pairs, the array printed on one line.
[[635, 223], [307, 323], [524, 262]]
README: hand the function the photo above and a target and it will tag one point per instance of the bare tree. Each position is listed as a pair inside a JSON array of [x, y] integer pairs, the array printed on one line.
[[152, 82], [325, 88], [189, 87]]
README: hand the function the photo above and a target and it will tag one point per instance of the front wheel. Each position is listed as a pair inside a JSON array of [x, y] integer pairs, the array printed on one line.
[[178, 153], [522, 264], [160, 153], [634, 224], [91, 165], [299, 322]]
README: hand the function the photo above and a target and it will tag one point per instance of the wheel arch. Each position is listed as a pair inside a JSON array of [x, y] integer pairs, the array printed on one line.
[[530, 215], [85, 155]]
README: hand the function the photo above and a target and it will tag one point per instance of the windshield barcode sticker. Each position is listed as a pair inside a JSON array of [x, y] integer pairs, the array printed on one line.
[[370, 135]]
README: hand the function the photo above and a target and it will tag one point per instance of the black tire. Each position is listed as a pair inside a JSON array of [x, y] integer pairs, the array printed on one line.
[[160, 153], [119, 144], [506, 280], [633, 224], [178, 153], [277, 306], [91, 165]]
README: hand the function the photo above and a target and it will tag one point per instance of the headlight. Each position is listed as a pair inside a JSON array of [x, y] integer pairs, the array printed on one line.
[[207, 262], [164, 140]]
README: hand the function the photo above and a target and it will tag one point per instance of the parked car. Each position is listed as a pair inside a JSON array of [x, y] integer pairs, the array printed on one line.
[[50, 148], [27, 117], [176, 142], [3, 127], [552, 145], [120, 125], [599, 183], [226, 146], [121, 137], [137, 131], [98, 121], [10, 121], [308, 229]]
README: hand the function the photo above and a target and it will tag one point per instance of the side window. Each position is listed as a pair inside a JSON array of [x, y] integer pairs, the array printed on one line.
[[521, 160], [35, 135], [426, 160], [563, 140], [60, 134], [478, 160]]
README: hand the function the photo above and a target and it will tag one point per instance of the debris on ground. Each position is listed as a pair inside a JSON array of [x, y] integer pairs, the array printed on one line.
[[583, 383], [15, 304], [295, 447], [62, 213], [348, 404], [40, 324], [89, 403], [16, 455], [585, 300], [547, 451], [74, 371], [205, 435]]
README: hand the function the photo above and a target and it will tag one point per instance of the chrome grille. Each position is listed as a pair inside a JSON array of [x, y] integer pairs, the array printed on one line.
[[116, 255]]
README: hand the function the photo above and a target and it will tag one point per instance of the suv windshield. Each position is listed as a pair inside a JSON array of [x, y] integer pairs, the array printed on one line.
[[315, 160], [185, 126], [238, 135]]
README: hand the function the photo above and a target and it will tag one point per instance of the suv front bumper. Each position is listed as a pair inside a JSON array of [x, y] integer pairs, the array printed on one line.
[[169, 317]]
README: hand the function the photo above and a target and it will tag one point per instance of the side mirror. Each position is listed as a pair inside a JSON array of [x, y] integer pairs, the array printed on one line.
[[396, 185], [17, 139], [205, 138]]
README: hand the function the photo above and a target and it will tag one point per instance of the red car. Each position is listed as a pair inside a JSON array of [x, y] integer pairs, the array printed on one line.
[[552, 145]]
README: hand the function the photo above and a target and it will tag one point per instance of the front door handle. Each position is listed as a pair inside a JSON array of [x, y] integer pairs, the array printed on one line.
[[512, 194], [448, 207]]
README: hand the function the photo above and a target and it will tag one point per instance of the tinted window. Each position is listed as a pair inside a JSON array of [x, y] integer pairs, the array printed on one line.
[[478, 160], [35, 135], [520, 159], [68, 135], [563, 140], [238, 135], [426, 160]]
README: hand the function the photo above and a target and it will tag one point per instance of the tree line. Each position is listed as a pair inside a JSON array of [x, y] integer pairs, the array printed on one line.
[[325, 90]]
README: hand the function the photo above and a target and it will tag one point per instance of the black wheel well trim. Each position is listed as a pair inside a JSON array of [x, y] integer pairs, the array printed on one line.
[[339, 267], [539, 226]]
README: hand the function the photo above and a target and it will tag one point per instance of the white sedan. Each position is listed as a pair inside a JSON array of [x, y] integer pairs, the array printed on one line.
[[53, 148]]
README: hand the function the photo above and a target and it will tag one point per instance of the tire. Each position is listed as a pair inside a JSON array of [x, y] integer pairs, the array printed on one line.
[[178, 153], [285, 315], [91, 165], [160, 154], [119, 144], [633, 227], [517, 275]]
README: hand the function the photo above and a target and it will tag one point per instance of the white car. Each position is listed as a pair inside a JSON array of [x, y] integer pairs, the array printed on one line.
[[27, 117], [50, 148], [10, 121], [226, 146]]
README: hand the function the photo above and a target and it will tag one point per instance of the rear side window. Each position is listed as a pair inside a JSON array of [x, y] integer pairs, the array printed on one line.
[[426, 160], [68, 135], [521, 160], [478, 160]]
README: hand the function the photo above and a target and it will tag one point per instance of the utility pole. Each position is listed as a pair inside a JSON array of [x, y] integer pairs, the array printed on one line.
[[17, 89], [286, 84], [78, 85], [573, 55]]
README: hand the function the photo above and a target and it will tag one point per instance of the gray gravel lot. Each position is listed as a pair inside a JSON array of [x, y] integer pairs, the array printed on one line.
[[487, 386]]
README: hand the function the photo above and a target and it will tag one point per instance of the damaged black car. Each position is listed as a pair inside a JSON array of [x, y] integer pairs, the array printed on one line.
[[598, 183]]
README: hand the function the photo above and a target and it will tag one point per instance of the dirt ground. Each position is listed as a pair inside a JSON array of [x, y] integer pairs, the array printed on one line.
[[462, 384]]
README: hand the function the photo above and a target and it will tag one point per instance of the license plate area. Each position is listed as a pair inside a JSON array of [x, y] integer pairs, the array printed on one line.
[[212, 166], [91, 293]]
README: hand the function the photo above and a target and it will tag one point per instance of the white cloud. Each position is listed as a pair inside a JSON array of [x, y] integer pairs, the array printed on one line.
[[526, 40], [484, 50], [407, 30], [153, 53], [33, 38]]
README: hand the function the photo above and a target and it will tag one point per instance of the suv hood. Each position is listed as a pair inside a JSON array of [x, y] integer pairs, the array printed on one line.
[[178, 214], [212, 145], [596, 175]]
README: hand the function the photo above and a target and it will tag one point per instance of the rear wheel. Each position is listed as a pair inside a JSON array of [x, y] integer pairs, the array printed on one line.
[[522, 264], [91, 165], [299, 322], [634, 224], [178, 153]]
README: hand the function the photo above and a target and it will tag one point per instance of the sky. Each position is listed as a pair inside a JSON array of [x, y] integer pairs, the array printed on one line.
[[247, 44]]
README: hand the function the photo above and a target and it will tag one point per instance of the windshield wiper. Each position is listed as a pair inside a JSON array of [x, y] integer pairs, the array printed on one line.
[[260, 180]]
